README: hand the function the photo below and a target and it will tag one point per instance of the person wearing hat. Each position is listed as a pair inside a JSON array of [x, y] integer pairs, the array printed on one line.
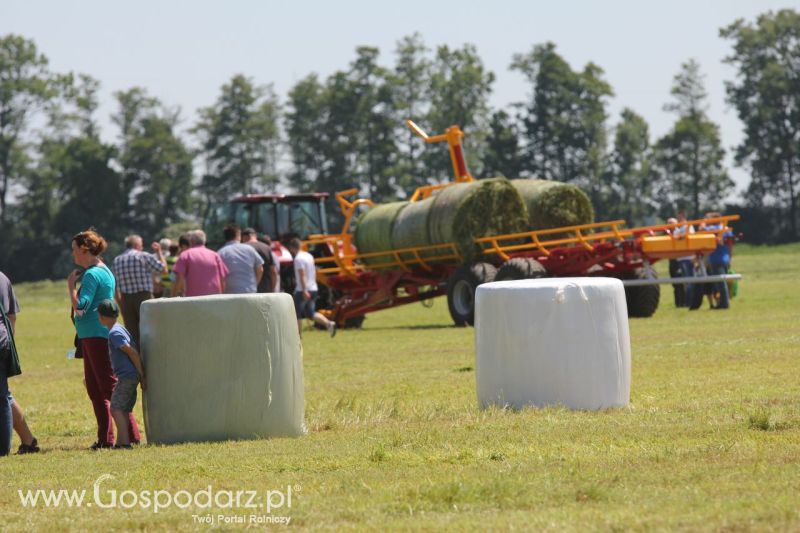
[[127, 366], [270, 281]]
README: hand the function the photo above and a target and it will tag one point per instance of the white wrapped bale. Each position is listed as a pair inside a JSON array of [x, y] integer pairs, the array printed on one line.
[[557, 341], [222, 367]]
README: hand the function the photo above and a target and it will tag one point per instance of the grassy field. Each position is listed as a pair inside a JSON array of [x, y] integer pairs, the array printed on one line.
[[710, 441]]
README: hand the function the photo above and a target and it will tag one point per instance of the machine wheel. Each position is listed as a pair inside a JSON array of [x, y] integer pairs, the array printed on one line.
[[461, 291], [642, 300], [697, 294], [354, 322], [520, 268], [325, 297]]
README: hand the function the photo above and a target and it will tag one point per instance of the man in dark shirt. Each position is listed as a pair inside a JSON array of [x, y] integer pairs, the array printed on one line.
[[269, 279], [10, 305]]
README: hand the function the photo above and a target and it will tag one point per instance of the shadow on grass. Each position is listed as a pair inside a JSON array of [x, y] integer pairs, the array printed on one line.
[[413, 327]]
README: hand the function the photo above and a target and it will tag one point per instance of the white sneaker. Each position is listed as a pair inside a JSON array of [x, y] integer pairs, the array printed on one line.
[[332, 329]]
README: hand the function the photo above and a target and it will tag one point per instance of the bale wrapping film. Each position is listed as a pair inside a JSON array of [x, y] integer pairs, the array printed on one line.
[[466, 211], [556, 341], [411, 226], [373, 231], [552, 204], [222, 367]]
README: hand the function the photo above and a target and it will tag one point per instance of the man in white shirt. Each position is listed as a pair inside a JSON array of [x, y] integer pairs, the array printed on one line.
[[305, 289]]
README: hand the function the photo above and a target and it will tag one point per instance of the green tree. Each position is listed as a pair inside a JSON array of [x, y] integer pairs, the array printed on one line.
[[90, 188], [374, 126], [239, 140], [132, 105], [90, 191], [565, 121], [155, 162], [766, 95], [689, 159], [632, 193], [24, 89], [503, 156], [458, 92], [342, 134], [410, 78], [69, 114], [304, 121]]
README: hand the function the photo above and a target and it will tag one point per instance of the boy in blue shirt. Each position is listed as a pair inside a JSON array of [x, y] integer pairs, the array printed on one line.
[[127, 365]]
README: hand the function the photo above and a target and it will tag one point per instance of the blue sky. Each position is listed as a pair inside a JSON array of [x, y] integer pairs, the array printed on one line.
[[183, 51]]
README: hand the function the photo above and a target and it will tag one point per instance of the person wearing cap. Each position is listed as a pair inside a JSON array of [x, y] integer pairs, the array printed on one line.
[[161, 280], [269, 281], [127, 365]]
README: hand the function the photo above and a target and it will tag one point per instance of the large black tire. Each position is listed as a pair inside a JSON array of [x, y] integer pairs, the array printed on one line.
[[696, 295], [642, 300], [461, 291], [325, 297], [520, 268], [354, 322]]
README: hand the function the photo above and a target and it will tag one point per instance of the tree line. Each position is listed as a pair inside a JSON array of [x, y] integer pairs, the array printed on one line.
[[57, 176]]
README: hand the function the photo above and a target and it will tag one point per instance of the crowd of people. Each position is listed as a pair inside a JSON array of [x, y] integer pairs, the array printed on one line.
[[113, 367], [718, 262]]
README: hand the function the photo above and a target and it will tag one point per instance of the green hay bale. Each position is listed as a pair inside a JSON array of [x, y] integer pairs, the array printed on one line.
[[464, 212], [552, 204], [373, 231], [411, 226]]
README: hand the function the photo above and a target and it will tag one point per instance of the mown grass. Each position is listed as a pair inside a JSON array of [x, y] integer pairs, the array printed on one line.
[[710, 441]]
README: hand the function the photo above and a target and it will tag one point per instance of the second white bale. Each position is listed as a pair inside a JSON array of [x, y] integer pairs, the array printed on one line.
[[555, 341]]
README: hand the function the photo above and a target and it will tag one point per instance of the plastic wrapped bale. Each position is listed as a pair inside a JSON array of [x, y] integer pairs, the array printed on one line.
[[552, 204], [222, 367], [411, 227], [464, 212], [556, 341], [373, 231]]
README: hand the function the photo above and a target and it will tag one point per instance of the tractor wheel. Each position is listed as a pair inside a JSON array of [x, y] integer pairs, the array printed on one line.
[[461, 291], [642, 300], [325, 297], [354, 322], [520, 268]]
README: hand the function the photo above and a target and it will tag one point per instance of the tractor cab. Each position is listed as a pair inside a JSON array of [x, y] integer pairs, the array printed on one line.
[[280, 216]]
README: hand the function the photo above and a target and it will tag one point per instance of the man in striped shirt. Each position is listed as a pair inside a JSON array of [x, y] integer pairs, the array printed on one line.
[[134, 271]]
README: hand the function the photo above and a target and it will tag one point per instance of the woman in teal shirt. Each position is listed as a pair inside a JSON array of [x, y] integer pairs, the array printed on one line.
[[97, 284]]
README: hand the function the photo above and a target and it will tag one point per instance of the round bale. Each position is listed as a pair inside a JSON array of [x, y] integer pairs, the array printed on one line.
[[373, 231], [464, 212], [552, 204], [411, 227]]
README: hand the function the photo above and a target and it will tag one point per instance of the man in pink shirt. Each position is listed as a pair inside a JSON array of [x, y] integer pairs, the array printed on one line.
[[199, 271]]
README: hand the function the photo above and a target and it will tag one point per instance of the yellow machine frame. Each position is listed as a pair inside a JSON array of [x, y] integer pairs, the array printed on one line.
[[657, 241]]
